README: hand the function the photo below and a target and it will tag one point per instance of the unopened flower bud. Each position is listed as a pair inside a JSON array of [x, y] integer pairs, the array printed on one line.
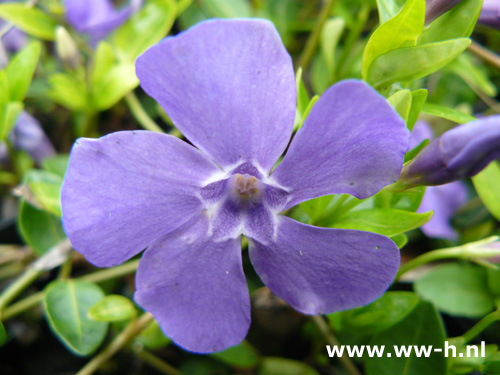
[[460, 152], [66, 49], [435, 8]]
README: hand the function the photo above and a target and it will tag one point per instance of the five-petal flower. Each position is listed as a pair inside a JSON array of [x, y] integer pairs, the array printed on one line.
[[229, 86]]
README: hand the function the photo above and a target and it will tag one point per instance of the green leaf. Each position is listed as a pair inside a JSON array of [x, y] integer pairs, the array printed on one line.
[[69, 91], [29, 19], [388, 222], [458, 22], [152, 337], [239, 356], [414, 151], [330, 35], [400, 31], [400, 240], [418, 100], [457, 289], [380, 315], [9, 112], [56, 164], [411, 63], [67, 304], [227, 9], [46, 187], [447, 113], [401, 102], [115, 84], [388, 9], [423, 326], [464, 67], [39, 229], [21, 69], [3, 334], [280, 366], [486, 183], [144, 29], [112, 308]]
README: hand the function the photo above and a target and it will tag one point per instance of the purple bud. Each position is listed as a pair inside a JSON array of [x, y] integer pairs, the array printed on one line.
[[435, 8], [490, 14], [460, 152]]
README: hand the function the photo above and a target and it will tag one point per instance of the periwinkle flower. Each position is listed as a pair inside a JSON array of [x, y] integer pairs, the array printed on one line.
[[458, 153], [490, 13], [98, 18], [15, 39], [435, 8], [229, 86], [444, 200]]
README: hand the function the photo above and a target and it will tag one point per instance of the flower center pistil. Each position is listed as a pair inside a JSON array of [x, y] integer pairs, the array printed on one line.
[[245, 187]]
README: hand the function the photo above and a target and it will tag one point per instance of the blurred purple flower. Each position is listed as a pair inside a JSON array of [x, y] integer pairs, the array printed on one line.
[[28, 135], [15, 39], [490, 13], [98, 18], [458, 153], [435, 8], [229, 86], [444, 200]]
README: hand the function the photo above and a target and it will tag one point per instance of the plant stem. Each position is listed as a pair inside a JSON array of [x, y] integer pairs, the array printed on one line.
[[489, 56], [130, 331], [98, 276], [332, 341], [313, 40], [140, 114], [431, 256], [157, 363], [14, 289], [481, 325]]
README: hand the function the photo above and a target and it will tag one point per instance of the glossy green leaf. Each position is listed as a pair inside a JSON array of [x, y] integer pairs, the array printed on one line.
[[69, 91], [280, 366], [400, 31], [447, 113], [486, 183], [388, 9], [406, 201], [116, 83], [382, 314], [46, 188], [456, 23], [152, 337], [401, 102], [240, 356], [417, 101], [67, 304], [388, 222], [457, 289], [21, 69], [423, 326], [104, 60], [9, 112], [227, 9], [39, 229], [144, 29], [411, 63], [29, 19], [400, 240], [112, 308], [56, 164], [302, 94]]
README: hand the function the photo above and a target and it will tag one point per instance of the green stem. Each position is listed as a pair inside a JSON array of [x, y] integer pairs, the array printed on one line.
[[332, 341], [481, 326], [98, 276], [313, 40], [17, 287], [130, 331], [431, 256], [140, 114], [157, 363]]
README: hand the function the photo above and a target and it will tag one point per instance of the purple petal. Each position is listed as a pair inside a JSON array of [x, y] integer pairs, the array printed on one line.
[[125, 190], [229, 86], [444, 200], [322, 270], [435, 8], [352, 142], [28, 135], [195, 288], [490, 14], [460, 152], [421, 131]]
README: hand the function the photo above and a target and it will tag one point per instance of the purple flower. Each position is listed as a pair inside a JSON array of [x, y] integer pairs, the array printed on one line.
[[444, 200], [15, 39], [458, 153], [97, 18], [435, 8], [229, 86], [490, 13]]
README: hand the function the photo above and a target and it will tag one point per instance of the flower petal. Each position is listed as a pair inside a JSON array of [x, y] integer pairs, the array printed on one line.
[[322, 270], [124, 190], [229, 86], [195, 288], [352, 142]]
